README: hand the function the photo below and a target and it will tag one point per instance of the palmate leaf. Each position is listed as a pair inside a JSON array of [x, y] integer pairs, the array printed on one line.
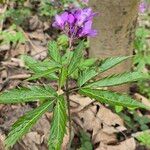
[[43, 74], [112, 98], [105, 65], [22, 95], [24, 124], [39, 67], [53, 51], [111, 62], [118, 79], [76, 58], [58, 126]]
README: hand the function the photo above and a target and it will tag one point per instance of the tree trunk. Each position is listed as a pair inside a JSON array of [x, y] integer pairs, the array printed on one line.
[[116, 25]]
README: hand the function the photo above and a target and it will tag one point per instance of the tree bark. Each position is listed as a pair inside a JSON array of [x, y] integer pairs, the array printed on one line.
[[116, 25]]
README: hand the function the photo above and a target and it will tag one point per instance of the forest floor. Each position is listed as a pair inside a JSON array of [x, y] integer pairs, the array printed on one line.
[[106, 129]]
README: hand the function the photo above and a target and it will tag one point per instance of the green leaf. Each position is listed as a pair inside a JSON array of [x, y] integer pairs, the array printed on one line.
[[42, 74], [86, 76], [63, 40], [31, 63], [111, 98], [63, 76], [66, 58], [144, 138], [24, 124], [38, 66], [58, 126], [21, 95], [77, 56], [86, 143], [86, 63], [118, 79], [53, 51], [111, 62], [118, 109]]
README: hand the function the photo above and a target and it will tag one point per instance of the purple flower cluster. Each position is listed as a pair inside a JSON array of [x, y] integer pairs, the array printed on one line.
[[76, 23]]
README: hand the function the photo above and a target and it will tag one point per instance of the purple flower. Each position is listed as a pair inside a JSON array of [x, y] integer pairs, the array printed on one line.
[[76, 23], [142, 7]]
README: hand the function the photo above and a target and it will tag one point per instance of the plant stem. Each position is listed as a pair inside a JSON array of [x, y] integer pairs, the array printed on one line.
[[68, 106]]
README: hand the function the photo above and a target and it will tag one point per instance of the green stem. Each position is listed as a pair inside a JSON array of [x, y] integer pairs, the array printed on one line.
[[68, 106]]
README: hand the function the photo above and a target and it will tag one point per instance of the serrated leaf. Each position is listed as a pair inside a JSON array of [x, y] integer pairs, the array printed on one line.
[[24, 124], [86, 76], [63, 76], [111, 62], [53, 51], [38, 66], [42, 74], [77, 56], [111, 98], [66, 58], [58, 126], [22, 95], [118, 79]]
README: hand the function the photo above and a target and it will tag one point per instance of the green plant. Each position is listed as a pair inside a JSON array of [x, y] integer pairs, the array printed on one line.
[[16, 14], [142, 50], [12, 36], [63, 67], [144, 138], [56, 101], [86, 143], [142, 57], [134, 121]]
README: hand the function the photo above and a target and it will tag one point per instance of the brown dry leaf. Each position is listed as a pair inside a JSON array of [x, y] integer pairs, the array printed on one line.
[[21, 49], [97, 119], [128, 144], [18, 61], [2, 142], [35, 23], [78, 102], [12, 112], [39, 51], [42, 127], [38, 35], [32, 137], [105, 138], [4, 47]]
